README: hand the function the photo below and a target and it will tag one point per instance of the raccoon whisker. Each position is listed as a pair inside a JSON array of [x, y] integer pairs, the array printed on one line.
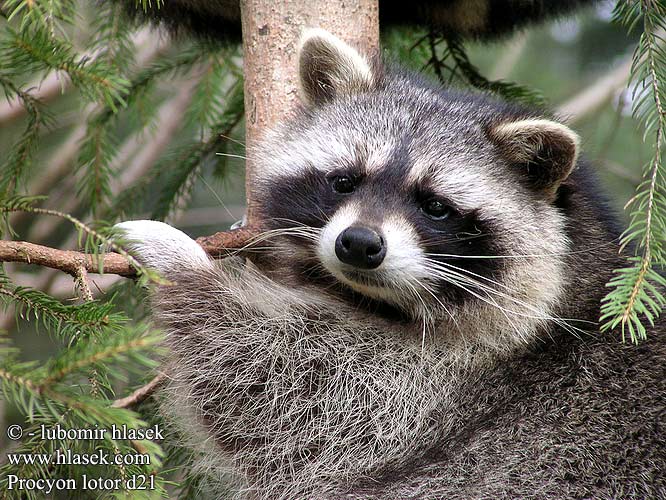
[[318, 266], [431, 292], [252, 245], [302, 228], [510, 297], [470, 278], [229, 155], [425, 317], [315, 266], [325, 217], [425, 321], [446, 269], [295, 231], [423, 335], [564, 322], [504, 313], [441, 241], [292, 231], [292, 221], [458, 256], [455, 275], [214, 193], [260, 248], [241, 143], [415, 293], [438, 264], [488, 300], [460, 280], [527, 256], [452, 238], [492, 302]]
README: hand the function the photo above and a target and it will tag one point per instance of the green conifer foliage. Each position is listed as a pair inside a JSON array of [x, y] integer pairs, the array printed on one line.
[[109, 120], [112, 121]]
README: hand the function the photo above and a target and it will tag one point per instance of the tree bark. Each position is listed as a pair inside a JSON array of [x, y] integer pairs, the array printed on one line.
[[216, 245], [271, 32]]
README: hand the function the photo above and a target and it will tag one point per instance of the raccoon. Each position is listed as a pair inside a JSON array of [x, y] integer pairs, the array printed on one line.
[[419, 318], [475, 19]]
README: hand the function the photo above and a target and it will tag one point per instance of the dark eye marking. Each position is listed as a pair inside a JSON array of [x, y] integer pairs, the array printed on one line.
[[342, 184], [436, 209]]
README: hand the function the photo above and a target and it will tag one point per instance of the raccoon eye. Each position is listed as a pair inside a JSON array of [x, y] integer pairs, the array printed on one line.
[[342, 184], [436, 210]]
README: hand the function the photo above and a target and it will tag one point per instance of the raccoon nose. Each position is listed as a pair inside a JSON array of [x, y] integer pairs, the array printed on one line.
[[360, 247]]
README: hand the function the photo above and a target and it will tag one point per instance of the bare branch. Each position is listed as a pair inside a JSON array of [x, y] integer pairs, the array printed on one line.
[[68, 261], [595, 96], [82, 286], [141, 393], [216, 245], [511, 55]]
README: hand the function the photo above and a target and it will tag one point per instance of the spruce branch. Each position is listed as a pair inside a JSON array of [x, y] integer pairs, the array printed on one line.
[[103, 345], [53, 86], [462, 68], [67, 320], [41, 14], [76, 358], [176, 172], [166, 66], [180, 178], [37, 51], [636, 293], [100, 147], [21, 152], [33, 396]]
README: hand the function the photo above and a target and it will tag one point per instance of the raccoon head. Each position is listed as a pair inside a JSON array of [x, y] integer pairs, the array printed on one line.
[[441, 204]]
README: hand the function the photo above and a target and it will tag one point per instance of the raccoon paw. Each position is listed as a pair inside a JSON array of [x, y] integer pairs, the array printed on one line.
[[159, 246]]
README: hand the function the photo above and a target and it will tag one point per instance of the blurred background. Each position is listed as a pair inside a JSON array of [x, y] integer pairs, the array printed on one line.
[[174, 150]]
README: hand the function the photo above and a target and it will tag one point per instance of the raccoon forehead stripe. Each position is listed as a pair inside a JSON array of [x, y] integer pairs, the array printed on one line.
[[325, 151], [278, 157], [378, 155], [468, 187]]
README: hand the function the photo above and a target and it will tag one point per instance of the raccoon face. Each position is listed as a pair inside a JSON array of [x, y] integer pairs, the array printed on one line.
[[387, 188]]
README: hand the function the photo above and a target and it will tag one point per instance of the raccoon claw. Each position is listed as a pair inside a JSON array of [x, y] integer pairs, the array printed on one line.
[[159, 246]]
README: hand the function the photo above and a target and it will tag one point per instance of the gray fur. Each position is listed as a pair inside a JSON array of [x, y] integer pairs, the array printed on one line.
[[306, 391]]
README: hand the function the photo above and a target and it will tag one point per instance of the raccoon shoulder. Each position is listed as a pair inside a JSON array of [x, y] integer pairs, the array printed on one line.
[[476, 19]]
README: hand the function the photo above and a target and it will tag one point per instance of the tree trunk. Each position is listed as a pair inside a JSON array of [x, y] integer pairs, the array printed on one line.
[[271, 32]]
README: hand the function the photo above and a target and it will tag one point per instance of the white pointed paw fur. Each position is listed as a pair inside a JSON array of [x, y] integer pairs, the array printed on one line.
[[159, 246]]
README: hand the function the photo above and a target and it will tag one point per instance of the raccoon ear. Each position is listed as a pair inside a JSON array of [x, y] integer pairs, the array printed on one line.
[[328, 67], [545, 150]]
